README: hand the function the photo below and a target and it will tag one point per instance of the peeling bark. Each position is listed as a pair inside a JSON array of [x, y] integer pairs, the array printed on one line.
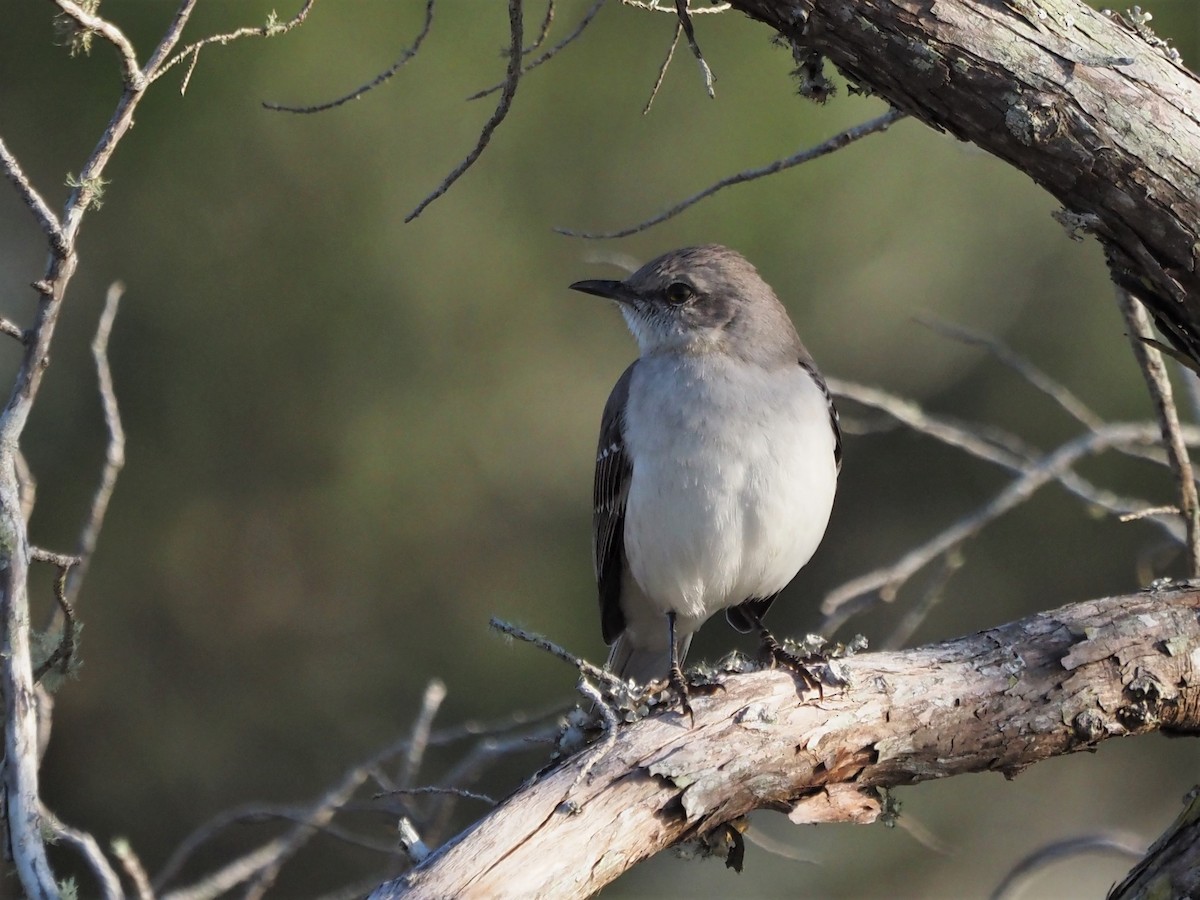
[[999, 700]]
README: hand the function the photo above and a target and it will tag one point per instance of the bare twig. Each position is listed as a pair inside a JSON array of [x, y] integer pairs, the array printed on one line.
[[231, 875], [65, 650], [1150, 512], [471, 766], [12, 329], [584, 667], [549, 54], [1052, 388], [605, 745], [544, 31], [662, 70], [92, 23], [837, 142], [1155, 372], [934, 592], [407, 54], [461, 793], [681, 10], [89, 849], [410, 841], [46, 219], [191, 52], [363, 771], [435, 693], [133, 868], [512, 78], [114, 454], [884, 583], [1019, 875], [993, 445]]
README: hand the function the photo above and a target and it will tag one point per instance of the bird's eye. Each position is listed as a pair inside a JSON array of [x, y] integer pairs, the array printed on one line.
[[678, 292]]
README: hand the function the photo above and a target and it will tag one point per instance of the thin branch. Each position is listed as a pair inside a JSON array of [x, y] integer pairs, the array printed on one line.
[[65, 651], [512, 78], [474, 764], [837, 142], [435, 693], [114, 454], [439, 792], [94, 24], [89, 849], [584, 667], [1150, 361], [934, 593], [363, 771], [410, 840], [229, 876], [1052, 388], [12, 329], [883, 584], [133, 868], [993, 445], [662, 70], [681, 10], [272, 28], [1019, 875], [46, 219], [549, 54], [544, 31], [379, 79]]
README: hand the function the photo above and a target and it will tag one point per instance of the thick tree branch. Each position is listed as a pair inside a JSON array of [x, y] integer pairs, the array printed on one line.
[[1000, 700], [1106, 121]]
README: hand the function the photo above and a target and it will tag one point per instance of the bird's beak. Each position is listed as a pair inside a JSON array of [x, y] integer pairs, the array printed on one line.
[[609, 290]]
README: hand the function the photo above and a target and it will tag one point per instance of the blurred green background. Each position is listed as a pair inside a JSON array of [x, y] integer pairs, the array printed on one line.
[[351, 440]]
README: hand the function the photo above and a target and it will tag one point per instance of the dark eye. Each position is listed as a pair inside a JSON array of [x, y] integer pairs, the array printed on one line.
[[678, 292]]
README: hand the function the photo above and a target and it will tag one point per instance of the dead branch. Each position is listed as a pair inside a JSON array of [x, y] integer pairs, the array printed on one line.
[[1000, 700], [1154, 371], [512, 78], [830, 145], [1083, 103], [405, 55]]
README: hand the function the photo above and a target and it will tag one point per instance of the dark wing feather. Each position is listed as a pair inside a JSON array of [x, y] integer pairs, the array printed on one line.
[[613, 471], [807, 364], [744, 616]]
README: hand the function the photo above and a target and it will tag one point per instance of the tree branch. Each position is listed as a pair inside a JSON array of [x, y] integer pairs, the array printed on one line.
[[1105, 120], [999, 700]]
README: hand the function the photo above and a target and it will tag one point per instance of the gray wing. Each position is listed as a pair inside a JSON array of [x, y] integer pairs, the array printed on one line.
[[613, 471]]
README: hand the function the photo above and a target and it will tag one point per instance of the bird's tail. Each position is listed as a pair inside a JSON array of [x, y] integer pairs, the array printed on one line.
[[643, 665]]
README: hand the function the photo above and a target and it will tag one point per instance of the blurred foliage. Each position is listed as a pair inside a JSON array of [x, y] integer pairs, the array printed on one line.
[[352, 440]]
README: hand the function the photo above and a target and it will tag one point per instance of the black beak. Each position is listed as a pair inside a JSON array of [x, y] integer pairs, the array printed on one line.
[[609, 290]]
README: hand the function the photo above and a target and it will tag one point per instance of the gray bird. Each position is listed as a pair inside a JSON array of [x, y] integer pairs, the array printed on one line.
[[717, 464]]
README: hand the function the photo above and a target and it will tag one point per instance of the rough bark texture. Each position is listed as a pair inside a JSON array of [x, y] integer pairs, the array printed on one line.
[[1172, 867], [999, 700], [1087, 105]]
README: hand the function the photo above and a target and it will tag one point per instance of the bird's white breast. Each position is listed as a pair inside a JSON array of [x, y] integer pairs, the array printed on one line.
[[733, 480]]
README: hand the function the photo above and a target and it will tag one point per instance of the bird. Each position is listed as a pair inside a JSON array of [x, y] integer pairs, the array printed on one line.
[[717, 463]]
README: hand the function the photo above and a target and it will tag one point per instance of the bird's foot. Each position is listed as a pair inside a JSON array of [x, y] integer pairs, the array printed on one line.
[[812, 668], [686, 689]]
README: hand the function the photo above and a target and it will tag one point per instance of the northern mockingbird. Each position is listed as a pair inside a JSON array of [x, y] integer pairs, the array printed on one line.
[[717, 464]]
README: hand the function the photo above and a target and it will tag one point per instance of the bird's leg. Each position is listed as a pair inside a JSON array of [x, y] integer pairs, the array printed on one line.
[[802, 666], [675, 676]]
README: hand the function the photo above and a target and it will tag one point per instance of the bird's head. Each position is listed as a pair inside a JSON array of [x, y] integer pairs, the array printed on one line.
[[700, 300]]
